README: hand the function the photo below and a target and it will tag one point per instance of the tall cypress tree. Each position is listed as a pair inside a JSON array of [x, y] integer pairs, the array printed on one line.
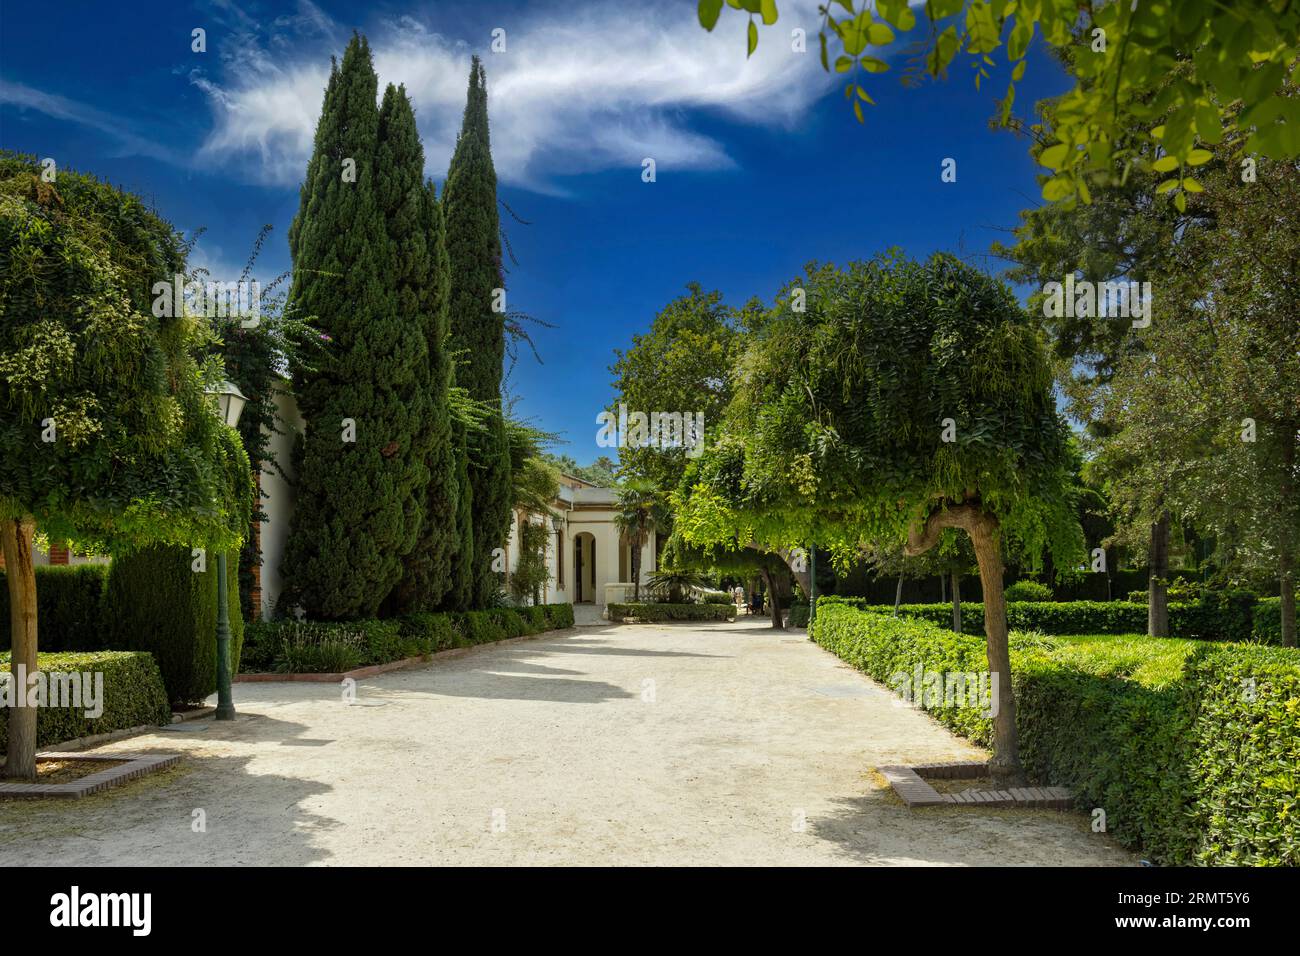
[[359, 486], [474, 248], [416, 231]]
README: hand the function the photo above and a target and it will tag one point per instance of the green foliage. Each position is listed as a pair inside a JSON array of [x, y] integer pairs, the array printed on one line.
[[325, 647], [1121, 56], [1161, 734], [138, 456], [69, 607], [600, 472], [421, 273], [560, 615], [647, 613], [133, 696], [477, 330], [254, 359], [682, 364], [836, 430], [680, 587], [1229, 620], [358, 504], [156, 602], [1028, 591], [530, 571], [1243, 747]]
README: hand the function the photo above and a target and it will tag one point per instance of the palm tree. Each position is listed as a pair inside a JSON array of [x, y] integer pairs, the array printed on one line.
[[640, 511]]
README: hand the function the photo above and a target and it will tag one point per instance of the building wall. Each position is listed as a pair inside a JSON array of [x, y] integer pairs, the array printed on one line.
[[277, 500]]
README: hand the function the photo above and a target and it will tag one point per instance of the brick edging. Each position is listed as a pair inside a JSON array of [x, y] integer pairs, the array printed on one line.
[[907, 782], [136, 765]]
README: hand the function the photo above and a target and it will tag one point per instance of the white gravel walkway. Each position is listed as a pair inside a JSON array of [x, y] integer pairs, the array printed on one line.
[[632, 744]]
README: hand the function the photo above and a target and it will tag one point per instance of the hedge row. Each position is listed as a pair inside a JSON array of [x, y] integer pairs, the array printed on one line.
[[1242, 618], [133, 695], [673, 612], [306, 647], [69, 607], [1189, 748], [157, 602]]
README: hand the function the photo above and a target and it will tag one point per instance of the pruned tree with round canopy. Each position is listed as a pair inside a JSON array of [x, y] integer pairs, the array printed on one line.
[[906, 398], [107, 439]]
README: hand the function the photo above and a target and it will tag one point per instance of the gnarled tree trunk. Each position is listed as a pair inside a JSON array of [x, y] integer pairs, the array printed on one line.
[[985, 536], [16, 538], [773, 599]]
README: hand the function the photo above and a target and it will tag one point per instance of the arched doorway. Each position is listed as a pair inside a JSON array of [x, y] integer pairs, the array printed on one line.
[[584, 568]]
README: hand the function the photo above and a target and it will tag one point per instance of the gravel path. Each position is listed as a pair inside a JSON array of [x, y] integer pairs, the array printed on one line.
[[636, 744]]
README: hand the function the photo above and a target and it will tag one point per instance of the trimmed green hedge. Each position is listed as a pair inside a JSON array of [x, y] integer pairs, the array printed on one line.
[[133, 695], [156, 602], [1028, 591], [1190, 748], [1230, 619], [326, 647], [673, 612], [69, 608], [797, 616]]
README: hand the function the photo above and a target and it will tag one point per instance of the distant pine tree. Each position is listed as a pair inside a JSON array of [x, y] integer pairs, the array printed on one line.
[[474, 249], [358, 502], [421, 285]]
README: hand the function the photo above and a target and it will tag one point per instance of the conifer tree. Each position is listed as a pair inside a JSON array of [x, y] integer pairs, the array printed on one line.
[[361, 478], [478, 325], [419, 263]]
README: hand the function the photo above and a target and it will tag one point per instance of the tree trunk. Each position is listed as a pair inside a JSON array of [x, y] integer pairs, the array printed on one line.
[[636, 572], [16, 538], [898, 595], [1005, 765], [956, 602], [1158, 582], [985, 536], [1286, 540], [774, 600]]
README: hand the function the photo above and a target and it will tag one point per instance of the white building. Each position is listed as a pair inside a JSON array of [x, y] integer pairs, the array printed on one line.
[[589, 561]]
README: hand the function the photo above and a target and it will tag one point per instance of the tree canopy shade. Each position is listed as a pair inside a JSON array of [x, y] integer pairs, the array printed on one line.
[[906, 397], [478, 327], [364, 470], [106, 438], [1220, 52]]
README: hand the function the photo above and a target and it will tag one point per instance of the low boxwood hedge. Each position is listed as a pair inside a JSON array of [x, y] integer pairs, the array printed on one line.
[[69, 607], [133, 696], [673, 612], [1189, 747], [325, 647], [1237, 617]]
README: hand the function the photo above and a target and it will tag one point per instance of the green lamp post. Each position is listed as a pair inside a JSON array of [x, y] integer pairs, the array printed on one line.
[[230, 404]]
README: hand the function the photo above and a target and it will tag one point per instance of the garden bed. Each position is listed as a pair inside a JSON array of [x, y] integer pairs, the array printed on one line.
[[1187, 746], [652, 613]]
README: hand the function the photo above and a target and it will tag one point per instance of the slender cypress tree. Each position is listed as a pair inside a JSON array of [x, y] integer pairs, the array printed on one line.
[[415, 229], [474, 248], [360, 487]]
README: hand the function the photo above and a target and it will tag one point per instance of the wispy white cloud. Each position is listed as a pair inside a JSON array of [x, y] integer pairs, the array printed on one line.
[[115, 128], [577, 90]]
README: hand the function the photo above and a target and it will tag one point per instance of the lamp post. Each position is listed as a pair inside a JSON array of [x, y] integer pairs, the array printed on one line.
[[812, 589], [230, 404]]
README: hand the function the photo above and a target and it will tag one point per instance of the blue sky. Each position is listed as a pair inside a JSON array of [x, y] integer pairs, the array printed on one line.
[[760, 165]]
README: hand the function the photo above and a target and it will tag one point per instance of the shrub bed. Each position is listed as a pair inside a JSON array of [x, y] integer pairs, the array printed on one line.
[[673, 612], [1188, 747], [1234, 618], [326, 647], [133, 695], [69, 607]]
